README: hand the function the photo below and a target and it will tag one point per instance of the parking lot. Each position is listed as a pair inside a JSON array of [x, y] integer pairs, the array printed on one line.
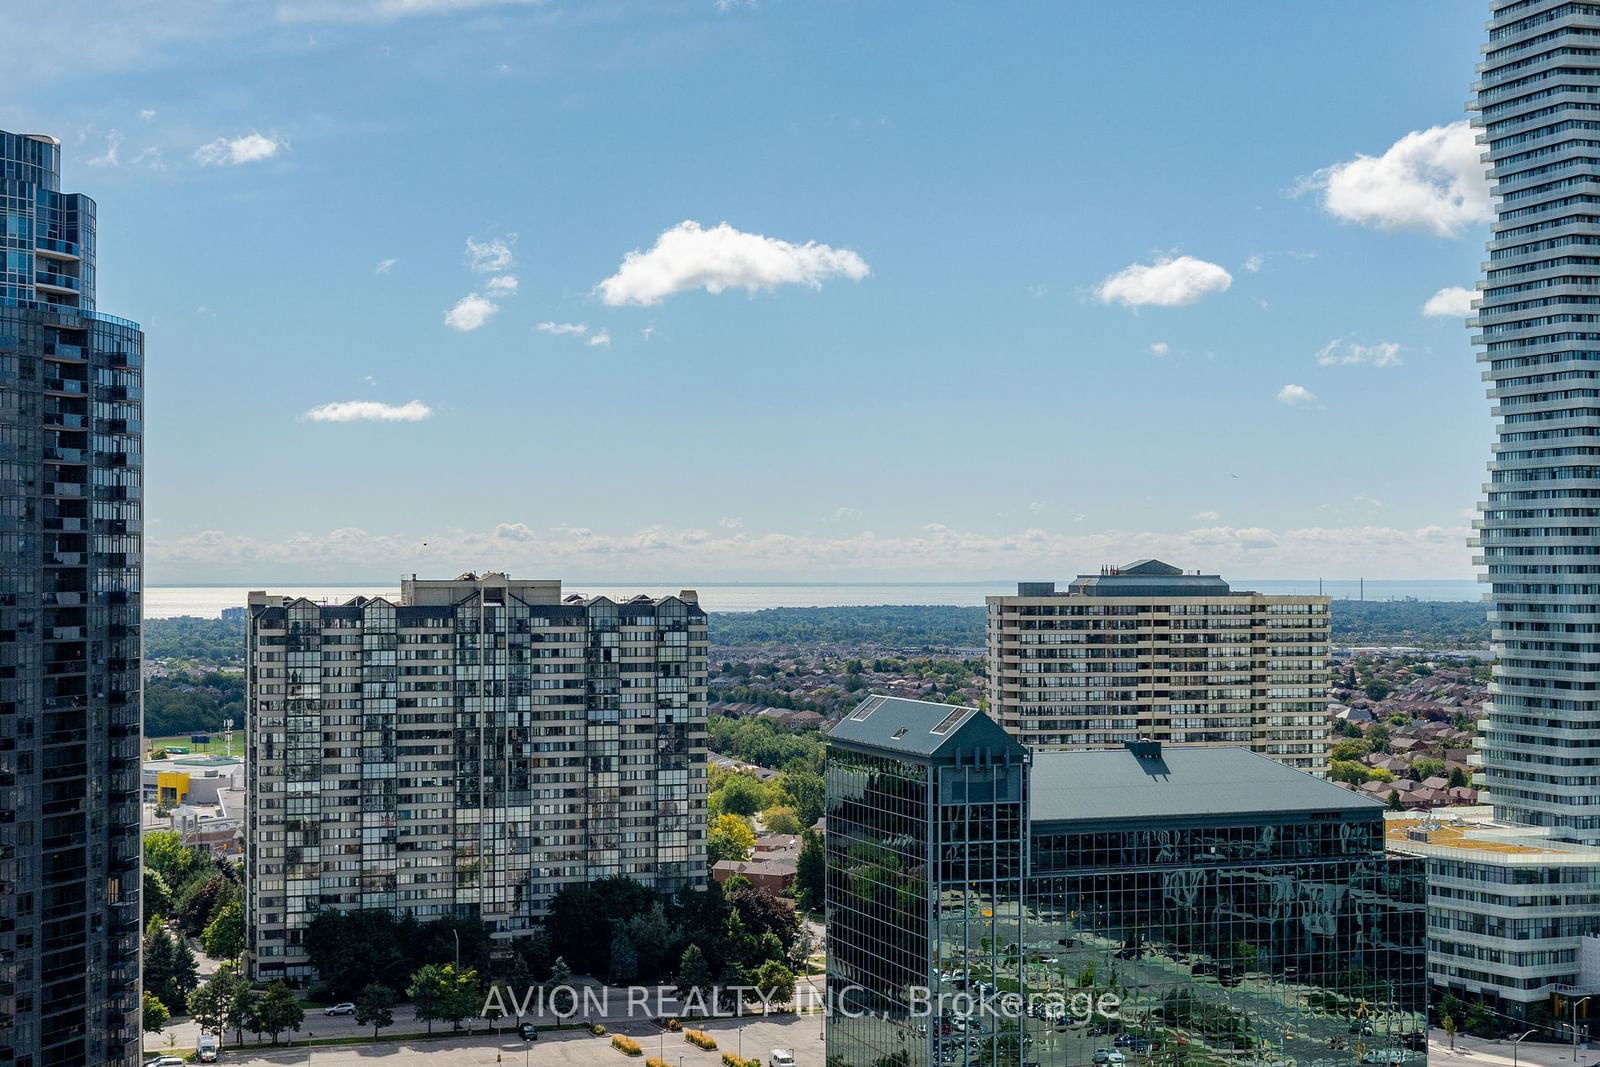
[[753, 1037]]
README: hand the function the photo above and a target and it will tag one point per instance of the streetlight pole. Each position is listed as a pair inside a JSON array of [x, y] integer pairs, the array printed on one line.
[[455, 934], [1514, 1042], [1576, 1004]]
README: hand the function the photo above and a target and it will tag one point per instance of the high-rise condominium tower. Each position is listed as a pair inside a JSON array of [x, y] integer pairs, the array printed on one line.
[[1539, 330], [1151, 651], [468, 750], [70, 541]]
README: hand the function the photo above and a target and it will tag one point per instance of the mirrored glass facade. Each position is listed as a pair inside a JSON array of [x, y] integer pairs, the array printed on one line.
[[70, 570], [973, 917]]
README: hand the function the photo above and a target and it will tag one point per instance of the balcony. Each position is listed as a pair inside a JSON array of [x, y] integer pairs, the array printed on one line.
[[52, 248], [51, 282]]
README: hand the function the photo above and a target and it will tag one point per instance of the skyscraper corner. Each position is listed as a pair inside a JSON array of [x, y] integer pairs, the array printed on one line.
[[71, 540]]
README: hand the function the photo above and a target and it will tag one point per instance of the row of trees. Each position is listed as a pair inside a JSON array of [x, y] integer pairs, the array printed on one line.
[[203, 898]]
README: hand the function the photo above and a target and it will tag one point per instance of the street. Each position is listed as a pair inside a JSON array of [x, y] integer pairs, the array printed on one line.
[[753, 1037]]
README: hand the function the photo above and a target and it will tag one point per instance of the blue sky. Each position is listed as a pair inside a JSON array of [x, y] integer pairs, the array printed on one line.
[[1003, 290]]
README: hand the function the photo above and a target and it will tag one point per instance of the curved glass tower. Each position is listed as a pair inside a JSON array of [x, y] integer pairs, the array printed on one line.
[[70, 544], [1538, 114]]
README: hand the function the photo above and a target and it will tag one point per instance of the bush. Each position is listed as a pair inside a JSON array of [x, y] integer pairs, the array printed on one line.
[[626, 1045], [597, 1030], [652, 1061], [700, 1039], [730, 1060], [671, 1024]]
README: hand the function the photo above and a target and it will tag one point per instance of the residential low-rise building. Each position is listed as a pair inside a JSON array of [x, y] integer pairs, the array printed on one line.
[[1508, 907]]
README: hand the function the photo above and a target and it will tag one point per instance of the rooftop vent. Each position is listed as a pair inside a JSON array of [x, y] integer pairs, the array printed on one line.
[[1145, 748]]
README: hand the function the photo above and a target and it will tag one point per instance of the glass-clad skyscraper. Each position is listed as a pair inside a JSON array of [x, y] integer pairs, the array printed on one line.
[[988, 904], [1538, 327], [70, 567]]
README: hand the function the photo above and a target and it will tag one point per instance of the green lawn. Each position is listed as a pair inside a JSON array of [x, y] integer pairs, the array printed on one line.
[[214, 748]]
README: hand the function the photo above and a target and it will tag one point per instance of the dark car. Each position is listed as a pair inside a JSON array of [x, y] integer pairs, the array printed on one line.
[[1416, 1042], [528, 1032]]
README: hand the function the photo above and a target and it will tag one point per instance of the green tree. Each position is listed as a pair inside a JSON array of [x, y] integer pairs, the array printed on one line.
[[155, 1014], [738, 794], [781, 819], [1458, 778], [774, 981], [208, 1004], [224, 938], [427, 993], [241, 1002], [1394, 801], [624, 958], [1349, 771], [1349, 749], [277, 1011], [562, 999], [157, 894], [165, 853], [375, 1007], [694, 974], [459, 995], [730, 838], [810, 878]]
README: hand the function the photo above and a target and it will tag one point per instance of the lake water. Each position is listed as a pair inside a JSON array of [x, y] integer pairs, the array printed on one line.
[[207, 601]]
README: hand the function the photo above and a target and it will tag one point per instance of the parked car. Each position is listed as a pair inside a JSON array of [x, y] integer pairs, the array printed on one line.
[[165, 1061], [346, 1008], [206, 1049], [780, 1057], [528, 1032], [1383, 1055], [1109, 1057], [1416, 1042]]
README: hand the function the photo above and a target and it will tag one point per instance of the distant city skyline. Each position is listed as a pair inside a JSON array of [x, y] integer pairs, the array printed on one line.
[[882, 312]]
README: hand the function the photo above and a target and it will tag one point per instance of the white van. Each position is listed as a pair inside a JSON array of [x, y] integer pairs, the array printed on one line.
[[780, 1057], [205, 1049]]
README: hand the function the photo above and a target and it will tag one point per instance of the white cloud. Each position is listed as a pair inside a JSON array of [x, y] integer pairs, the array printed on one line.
[[737, 553], [1205, 516], [250, 148], [369, 411], [729, 522], [1254, 262], [1348, 354], [1450, 302], [385, 266], [1170, 282], [690, 256], [147, 113], [601, 339], [1160, 348], [845, 513], [502, 284], [559, 329], [1429, 180], [648, 332], [383, 10], [470, 312], [1296, 395], [109, 157], [491, 256]]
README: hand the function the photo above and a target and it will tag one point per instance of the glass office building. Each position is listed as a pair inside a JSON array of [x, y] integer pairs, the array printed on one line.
[[992, 904], [70, 567]]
